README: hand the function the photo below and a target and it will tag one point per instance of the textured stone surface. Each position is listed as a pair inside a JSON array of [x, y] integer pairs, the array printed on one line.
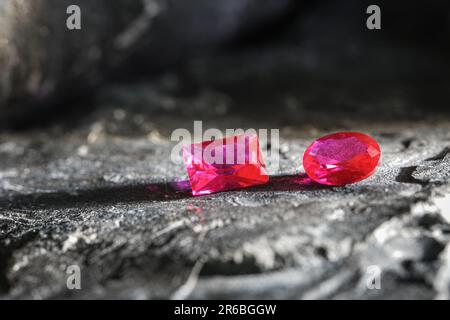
[[96, 188], [98, 191]]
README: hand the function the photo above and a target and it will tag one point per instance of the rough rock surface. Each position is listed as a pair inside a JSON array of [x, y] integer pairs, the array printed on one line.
[[99, 191]]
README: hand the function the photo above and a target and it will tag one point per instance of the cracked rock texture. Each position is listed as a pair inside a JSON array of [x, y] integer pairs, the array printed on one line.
[[98, 189]]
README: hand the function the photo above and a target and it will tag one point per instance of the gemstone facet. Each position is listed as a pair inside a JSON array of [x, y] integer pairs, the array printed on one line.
[[225, 164], [342, 158]]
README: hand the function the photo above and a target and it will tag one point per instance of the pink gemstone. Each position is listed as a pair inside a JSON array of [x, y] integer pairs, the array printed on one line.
[[224, 164], [341, 158]]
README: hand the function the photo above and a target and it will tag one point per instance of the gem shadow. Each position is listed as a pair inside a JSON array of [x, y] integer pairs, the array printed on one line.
[[101, 196], [163, 191], [295, 182]]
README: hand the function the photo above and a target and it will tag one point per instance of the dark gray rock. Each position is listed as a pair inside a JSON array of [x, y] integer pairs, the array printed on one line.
[[104, 195], [98, 190], [45, 68]]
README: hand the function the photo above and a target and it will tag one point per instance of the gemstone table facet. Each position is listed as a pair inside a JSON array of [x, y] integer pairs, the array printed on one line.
[[342, 158], [225, 164]]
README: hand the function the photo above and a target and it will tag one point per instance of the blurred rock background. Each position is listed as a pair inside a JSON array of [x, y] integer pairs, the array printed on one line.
[[44, 64], [45, 67], [86, 119]]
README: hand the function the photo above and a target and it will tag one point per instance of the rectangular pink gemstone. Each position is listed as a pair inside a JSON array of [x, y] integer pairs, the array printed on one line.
[[225, 164]]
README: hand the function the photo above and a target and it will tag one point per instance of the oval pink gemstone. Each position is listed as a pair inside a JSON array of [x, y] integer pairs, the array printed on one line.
[[341, 158]]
